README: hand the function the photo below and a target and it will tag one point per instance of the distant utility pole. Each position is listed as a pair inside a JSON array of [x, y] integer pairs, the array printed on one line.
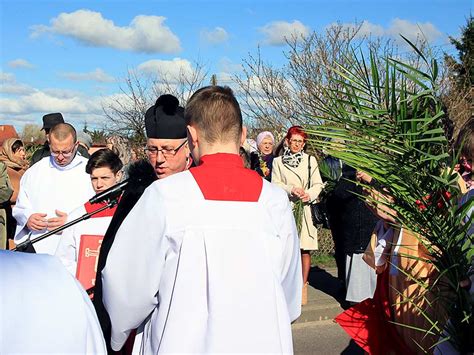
[[213, 79]]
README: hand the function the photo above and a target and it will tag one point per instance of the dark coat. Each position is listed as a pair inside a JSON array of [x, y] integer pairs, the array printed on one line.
[[141, 174], [255, 165], [40, 153], [351, 221]]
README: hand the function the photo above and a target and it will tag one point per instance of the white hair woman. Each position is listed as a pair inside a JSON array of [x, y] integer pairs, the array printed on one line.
[[262, 160]]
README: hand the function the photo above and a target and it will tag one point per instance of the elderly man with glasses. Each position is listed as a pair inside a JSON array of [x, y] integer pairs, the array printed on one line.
[[167, 149], [168, 153], [50, 189]]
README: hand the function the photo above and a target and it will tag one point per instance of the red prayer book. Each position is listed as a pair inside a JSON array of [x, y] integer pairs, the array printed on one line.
[[87, 259]]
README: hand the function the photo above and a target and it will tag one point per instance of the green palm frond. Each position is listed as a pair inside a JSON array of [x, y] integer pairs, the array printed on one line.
[[391, 122]]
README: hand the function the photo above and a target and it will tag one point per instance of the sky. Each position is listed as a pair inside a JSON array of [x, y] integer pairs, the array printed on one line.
[[72, 56]]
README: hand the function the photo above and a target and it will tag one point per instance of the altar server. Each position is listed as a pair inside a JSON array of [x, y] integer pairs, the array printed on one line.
[[208, 259], [104, 167]]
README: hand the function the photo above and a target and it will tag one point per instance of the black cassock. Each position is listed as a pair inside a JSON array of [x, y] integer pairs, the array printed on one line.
[[140, 174]]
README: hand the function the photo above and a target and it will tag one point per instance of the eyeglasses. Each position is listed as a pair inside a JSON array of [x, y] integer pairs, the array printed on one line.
[[167, 152], [65, 154], [297, 141]]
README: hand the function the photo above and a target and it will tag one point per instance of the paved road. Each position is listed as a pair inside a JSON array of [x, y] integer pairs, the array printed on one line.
[[315, 332]]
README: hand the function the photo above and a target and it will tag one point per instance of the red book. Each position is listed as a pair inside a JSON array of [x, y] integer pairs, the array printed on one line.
[[87, 259]]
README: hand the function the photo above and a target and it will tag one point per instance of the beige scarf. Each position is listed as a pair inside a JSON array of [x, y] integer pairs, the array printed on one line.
[[8, 157]]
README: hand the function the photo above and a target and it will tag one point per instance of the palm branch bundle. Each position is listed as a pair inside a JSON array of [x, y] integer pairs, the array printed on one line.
[[298, 210], [391, 122]]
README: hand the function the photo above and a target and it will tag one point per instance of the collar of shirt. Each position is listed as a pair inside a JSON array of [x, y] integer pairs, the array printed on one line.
[[75, 162], [222, 159], [222, 177]]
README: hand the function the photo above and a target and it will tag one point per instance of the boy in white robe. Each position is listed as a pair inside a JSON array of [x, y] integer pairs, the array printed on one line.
[[208, 259], [104, 168], [43, 309]]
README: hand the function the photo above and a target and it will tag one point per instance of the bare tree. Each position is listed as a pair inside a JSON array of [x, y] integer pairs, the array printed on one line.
[[280, 97], [183, 84], [125, 113], [32, 134]]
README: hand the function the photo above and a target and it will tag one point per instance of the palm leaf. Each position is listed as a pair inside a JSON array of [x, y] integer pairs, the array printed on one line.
[[388, 114]]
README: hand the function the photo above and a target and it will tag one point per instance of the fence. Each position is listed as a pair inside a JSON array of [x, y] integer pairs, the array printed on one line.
[[326, 244]]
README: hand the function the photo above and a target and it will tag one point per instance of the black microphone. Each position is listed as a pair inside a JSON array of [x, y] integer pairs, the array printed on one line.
[[111, 193]]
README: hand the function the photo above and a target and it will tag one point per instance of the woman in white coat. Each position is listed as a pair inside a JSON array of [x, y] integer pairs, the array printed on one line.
[[292, 171]]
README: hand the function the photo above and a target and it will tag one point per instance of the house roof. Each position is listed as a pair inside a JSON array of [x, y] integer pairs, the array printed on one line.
[[7, 131]]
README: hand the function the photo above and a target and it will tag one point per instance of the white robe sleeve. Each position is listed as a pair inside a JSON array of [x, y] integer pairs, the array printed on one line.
[[69, 243], [291, 280], [23, 209], [137, 254], [67, 251]]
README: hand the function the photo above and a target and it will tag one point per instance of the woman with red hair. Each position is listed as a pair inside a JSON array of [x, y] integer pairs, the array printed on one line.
[[298, 174]]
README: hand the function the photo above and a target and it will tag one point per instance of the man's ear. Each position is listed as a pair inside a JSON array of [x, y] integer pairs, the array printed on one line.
[[243, 136], [192, 135], [118, 176]]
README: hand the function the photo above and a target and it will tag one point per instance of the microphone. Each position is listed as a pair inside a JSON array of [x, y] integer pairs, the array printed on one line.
[[111, 193]]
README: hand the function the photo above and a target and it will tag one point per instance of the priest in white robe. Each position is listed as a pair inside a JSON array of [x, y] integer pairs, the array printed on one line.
[[208, 259], [50, 189], [43, 309]]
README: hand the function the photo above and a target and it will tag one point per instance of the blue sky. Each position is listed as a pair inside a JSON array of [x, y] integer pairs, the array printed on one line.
[[70, 56]]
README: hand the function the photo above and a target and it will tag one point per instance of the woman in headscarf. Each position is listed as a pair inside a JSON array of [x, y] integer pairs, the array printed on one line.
[[14, 157], [298, 174], [262, 160]]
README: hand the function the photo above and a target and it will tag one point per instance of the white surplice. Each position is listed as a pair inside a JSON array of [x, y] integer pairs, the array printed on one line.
[[46, 187], [43, 309], [206, 276], [68, 247]]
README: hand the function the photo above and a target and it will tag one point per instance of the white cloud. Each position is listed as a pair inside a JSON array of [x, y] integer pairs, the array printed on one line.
[[169, 69], [224, 78], [227, 65], [40, 101], [410, 30], [146, 34], [216, 36], [366, 28], [96, 75], [20, 63], [6, 77], [76, 110], [275, 33], [76, 106], [9, 85], [16, 89]]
